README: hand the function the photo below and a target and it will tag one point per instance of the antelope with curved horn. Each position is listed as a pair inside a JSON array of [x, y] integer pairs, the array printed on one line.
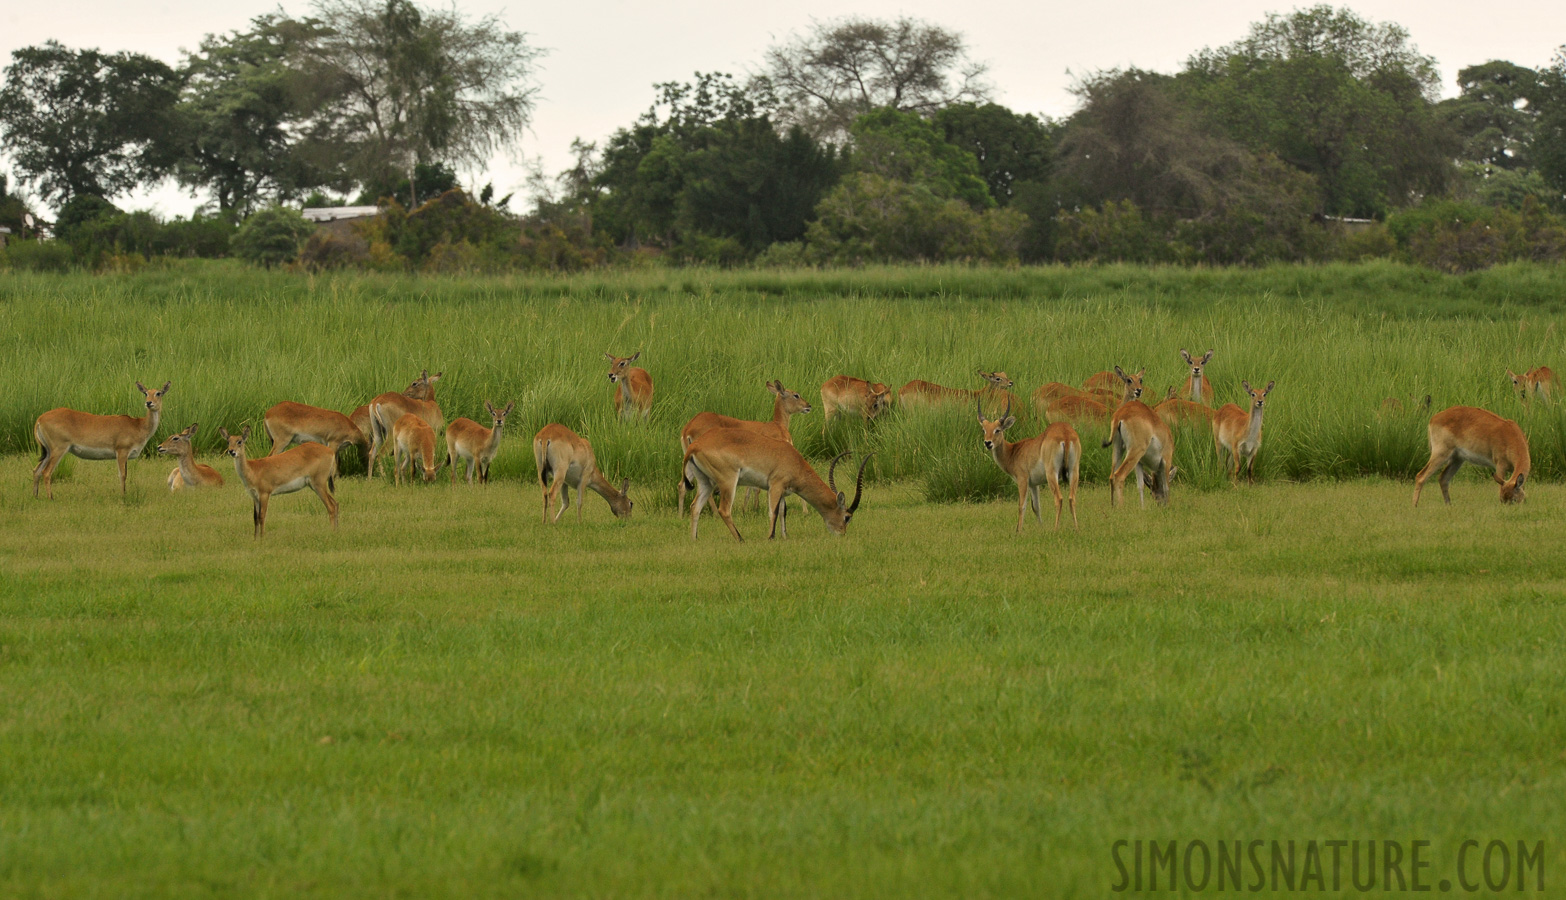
[[475, 444], [121, 438], [724, 459], [856, 396], [412, 436], [307, 465], [1468, 434], [633, 387], [189, 473], [1238, 431], [786, 404], [387, 408], [1047, 459], [1197, 388], [1138, 438], [565, 460]]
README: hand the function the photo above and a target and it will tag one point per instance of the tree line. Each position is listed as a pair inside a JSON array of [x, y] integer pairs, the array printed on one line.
[[1317, 135]]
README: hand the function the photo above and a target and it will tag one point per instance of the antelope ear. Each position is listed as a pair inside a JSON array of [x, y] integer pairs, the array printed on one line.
[[489, 407], [981, 421], [625, 486], [1141, 371], [1245, 384], [509, 407], [1509, 374], [1206, 357], [223, 433], [165, 388], [609, 356], [435, 377], [141, 387], [1184, 355], [1120, 373], [245, 434], [841, 500], [193, 427], [1007, 422], [1269, 387], [775, 387], [635, 356]]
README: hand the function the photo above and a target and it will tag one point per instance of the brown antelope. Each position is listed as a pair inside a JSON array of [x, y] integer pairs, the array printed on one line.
[[1536, 382], [412, 436], [1103, 384], [1393, 406], [1048, 393], [1238, 431], [847, 394], [565, 460], [121, 438], [475, 444], [1047, 459], [1175, 411], [1139, 439], [387, 408], [189, 473], [786, 404], [288, 422], [1468, 434], [633, 387], [1077, 411], [725, 459], [925, 393], [307, 465], [1197, 388]]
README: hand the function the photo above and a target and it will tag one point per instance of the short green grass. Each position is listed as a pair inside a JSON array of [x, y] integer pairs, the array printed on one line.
[[448, 698]]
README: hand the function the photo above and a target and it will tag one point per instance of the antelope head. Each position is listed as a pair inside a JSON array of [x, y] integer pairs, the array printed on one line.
[[236, 442], [1512, 492], [994, 429], [880, 400], [154, 399], [793, 403], [1258, 398], [1133, 384], [1000, 381], [1196, 364], [176, 444], [423, 387], [497, 417], [837, 520], [618, 365]]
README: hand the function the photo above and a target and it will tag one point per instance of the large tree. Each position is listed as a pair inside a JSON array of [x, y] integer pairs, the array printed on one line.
[[841, 69], [245, 118], [84, 122], [1346, 100], [1548, 149], [1494, 113], [403, 85]]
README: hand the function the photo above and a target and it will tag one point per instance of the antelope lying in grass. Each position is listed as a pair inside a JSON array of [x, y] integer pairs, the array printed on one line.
[[926, 393], [565, 460], [307, 465], [1175, 411], [189, 473], [633, 387], [726, 459], [855, 396], [417, 400], [475, 444], [1472, 435], [1138, 438], [412, 436], [1238, 431], [1047, 459], [786, 404], [121, 438]]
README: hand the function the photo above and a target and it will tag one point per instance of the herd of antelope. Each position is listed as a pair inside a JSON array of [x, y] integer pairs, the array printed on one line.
[[721, 454]]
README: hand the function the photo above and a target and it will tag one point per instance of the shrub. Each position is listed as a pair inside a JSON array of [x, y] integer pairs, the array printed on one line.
[[39, 256], [328, 249], [871, 218], [272, 236], [1118, 232]]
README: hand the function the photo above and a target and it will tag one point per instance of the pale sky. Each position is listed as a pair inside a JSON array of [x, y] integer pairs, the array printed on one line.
[[604, 56]]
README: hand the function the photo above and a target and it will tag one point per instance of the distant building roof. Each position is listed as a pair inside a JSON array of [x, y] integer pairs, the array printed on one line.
[[4, 229], [336, 213]]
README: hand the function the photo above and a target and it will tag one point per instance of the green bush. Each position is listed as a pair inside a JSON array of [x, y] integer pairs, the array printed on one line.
[[872, 218], [38, 256], [272, 236], [1456, 236]]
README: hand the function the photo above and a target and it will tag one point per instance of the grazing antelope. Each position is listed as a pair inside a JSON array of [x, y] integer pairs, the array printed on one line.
[[189, 473], [387, 408], [1536, 382], [121, 438], [1197, 388], [1175, 411], [633, 387], [413, 436], [1047, 459], [565, 460], [477, 445], [847, 394], [725, 459], [925, 393], [1238, 431], [1468, 434], [288, 422], [1139, 438], [307, 465], [787, 404]]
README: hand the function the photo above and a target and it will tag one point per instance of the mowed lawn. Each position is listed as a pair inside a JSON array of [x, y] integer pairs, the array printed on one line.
[[448, 698]]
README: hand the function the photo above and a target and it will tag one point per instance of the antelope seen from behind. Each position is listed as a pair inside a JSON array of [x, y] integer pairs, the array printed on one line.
[[475, 444], [307, 465], [565, 460], [412, 436], [855, 396], [189, 473], [1467, 434], [386, 409], [785, 405], [1238, 431], [726, 459], [633, 387], [1051, 457], [1139, 439], [120, 438]]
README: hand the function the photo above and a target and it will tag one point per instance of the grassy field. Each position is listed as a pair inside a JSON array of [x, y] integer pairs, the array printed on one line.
[[450, 698]]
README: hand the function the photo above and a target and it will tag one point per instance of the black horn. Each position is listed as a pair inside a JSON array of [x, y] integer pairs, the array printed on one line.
[[859, 483], [832, 470]]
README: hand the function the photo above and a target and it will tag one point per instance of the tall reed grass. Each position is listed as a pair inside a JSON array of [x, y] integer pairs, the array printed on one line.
[[1337, 339]]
